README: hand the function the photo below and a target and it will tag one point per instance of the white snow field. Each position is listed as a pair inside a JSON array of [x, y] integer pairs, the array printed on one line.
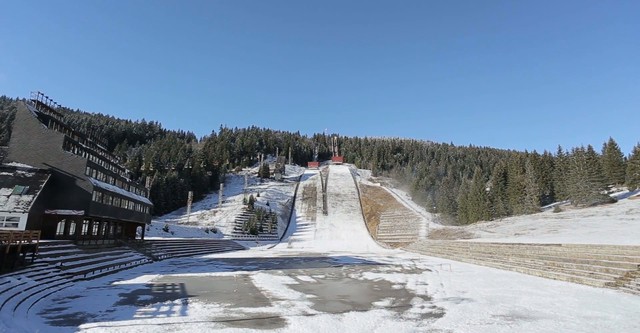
[[328, 275]]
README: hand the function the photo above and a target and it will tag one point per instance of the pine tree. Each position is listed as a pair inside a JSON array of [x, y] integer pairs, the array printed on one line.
[[479, 201], [515, 184], [446, 200], [633, 169], [531, 202], [265, 172], [560, 175], [586, 178], [464, 206], [613, 163], [498, 191]]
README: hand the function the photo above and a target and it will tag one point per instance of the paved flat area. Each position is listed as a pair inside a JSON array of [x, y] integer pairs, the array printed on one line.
[[246, 292]]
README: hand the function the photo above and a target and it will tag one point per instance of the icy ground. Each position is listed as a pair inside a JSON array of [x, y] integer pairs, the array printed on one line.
[[349, 285]]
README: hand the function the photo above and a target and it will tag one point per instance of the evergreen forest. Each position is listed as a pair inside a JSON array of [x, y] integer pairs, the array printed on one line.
[[463, 184]]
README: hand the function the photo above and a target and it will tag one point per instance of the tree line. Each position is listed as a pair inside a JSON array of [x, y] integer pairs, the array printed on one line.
[[463, 184]]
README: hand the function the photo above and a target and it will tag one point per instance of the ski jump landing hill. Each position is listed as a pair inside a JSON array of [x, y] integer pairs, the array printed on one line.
[[343, 229]]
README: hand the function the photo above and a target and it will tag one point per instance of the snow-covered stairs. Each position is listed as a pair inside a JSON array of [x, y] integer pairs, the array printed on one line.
[[610, 266], [60, 264], [160, 249], [239, 231]]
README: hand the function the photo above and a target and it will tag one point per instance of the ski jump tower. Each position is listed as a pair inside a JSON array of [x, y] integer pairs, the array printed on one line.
[[314, 164], [335, 157]]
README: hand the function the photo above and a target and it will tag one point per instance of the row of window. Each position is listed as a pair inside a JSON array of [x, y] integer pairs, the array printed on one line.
[[90, 154], [111, 200], [66, 130], [94, 228], [9, 221], [109, 179]]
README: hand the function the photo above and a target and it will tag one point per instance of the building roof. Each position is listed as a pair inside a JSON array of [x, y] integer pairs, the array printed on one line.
[[118, 190], [20, 185]]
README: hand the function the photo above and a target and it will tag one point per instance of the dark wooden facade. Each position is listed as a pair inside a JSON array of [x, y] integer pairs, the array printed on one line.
[[89, 197]]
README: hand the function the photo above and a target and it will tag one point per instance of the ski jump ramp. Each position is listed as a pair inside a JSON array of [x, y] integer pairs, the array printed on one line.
[[343, 228]]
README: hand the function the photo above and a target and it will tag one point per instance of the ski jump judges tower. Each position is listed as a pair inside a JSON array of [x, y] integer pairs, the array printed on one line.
[[335, 157]]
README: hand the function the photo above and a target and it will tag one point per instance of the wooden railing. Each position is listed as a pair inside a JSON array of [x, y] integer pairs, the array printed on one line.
[[9, 238], [15, 245]]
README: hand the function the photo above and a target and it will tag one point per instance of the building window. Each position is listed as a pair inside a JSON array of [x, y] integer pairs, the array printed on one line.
[[60, 228], [9, 222], [72, 228], [85, 227], [108, 199], [20, 190], [95, 228]]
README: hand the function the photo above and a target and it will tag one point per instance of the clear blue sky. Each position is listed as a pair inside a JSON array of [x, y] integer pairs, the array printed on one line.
[[506, 74]]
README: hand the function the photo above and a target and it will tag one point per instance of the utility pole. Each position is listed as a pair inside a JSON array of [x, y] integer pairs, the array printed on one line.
[[189, 202], [220, 195]]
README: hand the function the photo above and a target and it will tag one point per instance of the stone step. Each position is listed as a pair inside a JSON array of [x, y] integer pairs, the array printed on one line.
[[398, 234], [100, 260], [397, 229], [630, 290], [98, 270], [20, 293], [535, 272], [584, 270], [514, 251], [566, 262], [406, 238], [628, 264], [187, 245], [573, 248]]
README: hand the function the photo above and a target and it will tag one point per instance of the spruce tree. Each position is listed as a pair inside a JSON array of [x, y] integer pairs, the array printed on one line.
[[544, 170], [613, 163], [586, 178], [633, 169], [531, 202], [498, 191], [264, 171], [446, 198], [560, 175], [515, 185], [478, 199], [463, 203]]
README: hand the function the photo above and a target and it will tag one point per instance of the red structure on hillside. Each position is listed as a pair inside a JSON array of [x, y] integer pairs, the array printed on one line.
[[335, 157]]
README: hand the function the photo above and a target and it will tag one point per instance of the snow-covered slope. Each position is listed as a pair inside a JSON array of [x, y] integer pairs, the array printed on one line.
[[209, 219], [617, 223], [343, 228]]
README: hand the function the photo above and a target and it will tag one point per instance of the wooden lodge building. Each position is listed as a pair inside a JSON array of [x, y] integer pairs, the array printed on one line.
[[69, 185]]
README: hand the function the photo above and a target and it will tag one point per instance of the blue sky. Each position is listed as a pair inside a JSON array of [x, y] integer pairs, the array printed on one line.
[[506, 74]]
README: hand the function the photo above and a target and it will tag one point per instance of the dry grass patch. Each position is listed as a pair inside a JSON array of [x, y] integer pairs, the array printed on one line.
[[375, 201], [450, 234]]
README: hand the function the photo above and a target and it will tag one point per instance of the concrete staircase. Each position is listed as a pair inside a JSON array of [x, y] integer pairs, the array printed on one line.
[[60, 264], [159, 249], [604, 266], [398, 227]]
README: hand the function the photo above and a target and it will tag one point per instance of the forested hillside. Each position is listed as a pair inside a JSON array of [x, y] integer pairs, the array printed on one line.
[[463, 184]]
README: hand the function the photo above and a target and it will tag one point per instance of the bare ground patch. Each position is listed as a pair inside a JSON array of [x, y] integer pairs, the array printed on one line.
[[375, 201], [450, 234]]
